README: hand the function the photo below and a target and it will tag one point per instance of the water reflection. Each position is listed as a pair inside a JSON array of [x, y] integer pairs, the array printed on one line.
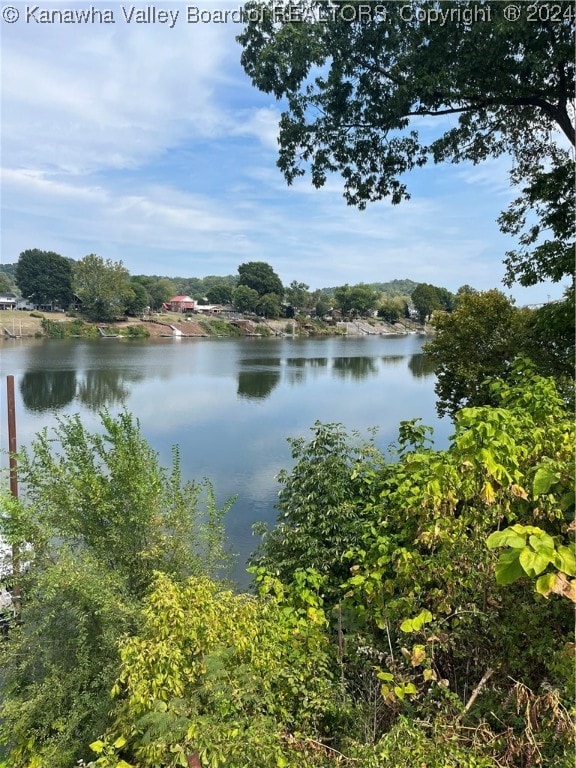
[[106, 387], [48, 390], [98, 377], [356, 368], [257, 384], [421, 366]]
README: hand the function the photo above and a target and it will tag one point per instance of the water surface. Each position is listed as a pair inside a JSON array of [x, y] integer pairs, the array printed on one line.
[[229, 404]]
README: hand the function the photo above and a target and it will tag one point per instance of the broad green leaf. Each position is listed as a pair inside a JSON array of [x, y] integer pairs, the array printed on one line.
[[424, 617], [415, 624], [508, 568], [532, 562], [504, 538], [567, 560], [407, 626], [542, 542], [543, 480]]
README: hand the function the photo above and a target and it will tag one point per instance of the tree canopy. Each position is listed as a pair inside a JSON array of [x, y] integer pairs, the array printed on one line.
[[260, 276], [361, 90], [103, 286], [44, 277], [355, 89]]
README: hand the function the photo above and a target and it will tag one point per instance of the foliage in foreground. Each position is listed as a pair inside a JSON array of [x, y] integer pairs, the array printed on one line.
[[386, 630], [98, 516], [422, 625]]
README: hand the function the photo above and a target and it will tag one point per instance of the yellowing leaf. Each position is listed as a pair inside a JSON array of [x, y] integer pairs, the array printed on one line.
[[430, 674], [518, 491], [97, 746], [487, 494], [418, 655]]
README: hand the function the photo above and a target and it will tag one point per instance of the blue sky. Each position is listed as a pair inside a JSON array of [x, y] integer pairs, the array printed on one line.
[[148, 144]]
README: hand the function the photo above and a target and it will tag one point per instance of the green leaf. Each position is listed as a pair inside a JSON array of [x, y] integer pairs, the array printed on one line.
[[504, 538], [407, 626], [543, 543], [508, 568], [567, 560], [97, 746], [532, 562], [543, 480]]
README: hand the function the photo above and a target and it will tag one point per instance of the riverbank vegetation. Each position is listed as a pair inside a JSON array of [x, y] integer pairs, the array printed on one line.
[[388, 626]]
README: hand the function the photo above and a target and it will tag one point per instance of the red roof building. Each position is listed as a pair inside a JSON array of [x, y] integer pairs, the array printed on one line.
[[181, 304]]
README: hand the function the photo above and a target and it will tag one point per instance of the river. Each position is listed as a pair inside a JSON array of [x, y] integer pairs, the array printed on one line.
[[229, 404]]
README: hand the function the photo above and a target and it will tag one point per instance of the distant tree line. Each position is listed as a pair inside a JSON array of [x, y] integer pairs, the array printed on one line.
[[104, 290]]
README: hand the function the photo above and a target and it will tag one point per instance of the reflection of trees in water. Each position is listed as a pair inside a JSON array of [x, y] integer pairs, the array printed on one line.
[[354, 367], [47, 390], [105, 387], [392, 359], [52, 390], [268, 362], [257, 384], [421, 366]]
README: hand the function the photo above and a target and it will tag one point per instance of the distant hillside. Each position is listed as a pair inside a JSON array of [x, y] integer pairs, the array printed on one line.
[[8, 269]]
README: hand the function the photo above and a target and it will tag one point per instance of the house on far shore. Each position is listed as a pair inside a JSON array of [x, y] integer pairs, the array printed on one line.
[[8, 300], [12, 301], [180, 304]]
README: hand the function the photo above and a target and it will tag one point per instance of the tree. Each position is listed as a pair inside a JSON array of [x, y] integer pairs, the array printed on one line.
[[297, 294], [100, 516], [103, 286], [320, 512], [358, 84], [269, 305], [6, 284], [220, 294], [420, 609], [479, 339], [44, 277], [260, 276], [542, 218], [160, 291], [355, 87], [391, 308], [355, 300], [137, 303], [245, 299], [225, 679], [426, 299], [322, 307]]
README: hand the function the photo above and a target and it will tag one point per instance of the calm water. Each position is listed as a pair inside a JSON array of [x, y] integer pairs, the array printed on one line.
[[229, 404]]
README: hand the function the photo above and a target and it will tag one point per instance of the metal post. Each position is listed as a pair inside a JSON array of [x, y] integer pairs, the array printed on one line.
[[12, 435], [13, 488]]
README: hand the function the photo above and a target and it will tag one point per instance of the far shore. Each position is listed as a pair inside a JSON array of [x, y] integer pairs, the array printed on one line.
[[16, 324]]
